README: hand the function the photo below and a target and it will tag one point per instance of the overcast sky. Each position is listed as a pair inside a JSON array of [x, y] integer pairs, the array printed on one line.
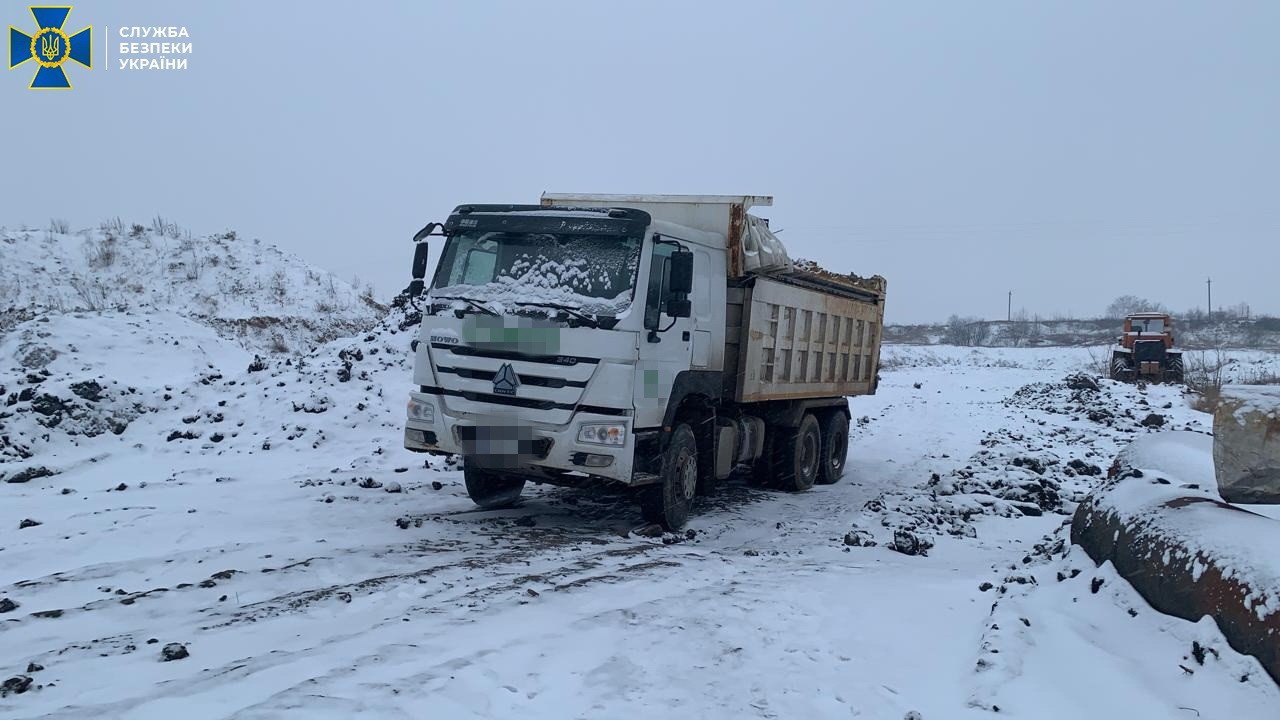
[[1067, 151]]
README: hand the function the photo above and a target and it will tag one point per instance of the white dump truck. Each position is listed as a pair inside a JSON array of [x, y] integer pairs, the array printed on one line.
[[655, 341]]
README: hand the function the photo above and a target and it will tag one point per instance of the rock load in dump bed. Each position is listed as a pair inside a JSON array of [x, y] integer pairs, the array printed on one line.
[[874, 284]]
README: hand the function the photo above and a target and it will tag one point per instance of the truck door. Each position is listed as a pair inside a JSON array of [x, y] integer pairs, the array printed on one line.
[[666, 345]]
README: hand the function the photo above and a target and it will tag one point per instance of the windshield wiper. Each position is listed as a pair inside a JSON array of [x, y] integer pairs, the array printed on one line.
[[473, 303], [569, 310]]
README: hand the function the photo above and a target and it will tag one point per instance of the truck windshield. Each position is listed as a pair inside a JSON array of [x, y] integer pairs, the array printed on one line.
[[592, 273]]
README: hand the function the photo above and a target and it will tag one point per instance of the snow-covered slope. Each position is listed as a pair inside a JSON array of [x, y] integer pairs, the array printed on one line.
[[247, 290]]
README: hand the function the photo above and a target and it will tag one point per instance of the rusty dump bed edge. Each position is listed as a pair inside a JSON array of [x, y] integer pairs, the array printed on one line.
[[809, 275]]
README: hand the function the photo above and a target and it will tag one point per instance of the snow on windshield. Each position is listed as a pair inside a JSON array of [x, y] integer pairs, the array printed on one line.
[[592, 272]]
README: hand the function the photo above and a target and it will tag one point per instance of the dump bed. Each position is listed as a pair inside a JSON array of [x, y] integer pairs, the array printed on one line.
[[802, 334]]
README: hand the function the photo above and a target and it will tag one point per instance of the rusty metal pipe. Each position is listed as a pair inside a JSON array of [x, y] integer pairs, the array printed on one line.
[[1153, 543]]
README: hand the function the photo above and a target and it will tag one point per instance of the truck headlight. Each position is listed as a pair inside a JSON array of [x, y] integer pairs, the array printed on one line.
[[422, 411], [603, 434]]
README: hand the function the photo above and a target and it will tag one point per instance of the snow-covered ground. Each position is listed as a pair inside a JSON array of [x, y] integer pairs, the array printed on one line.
[[264, 516]]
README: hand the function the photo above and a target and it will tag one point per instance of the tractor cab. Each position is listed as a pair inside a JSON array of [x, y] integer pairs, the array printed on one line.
[[1145, 350], [1148, 327]]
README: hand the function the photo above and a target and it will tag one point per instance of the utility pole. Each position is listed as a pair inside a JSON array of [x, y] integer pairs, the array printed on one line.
[[1009, 316], [1209, 285]]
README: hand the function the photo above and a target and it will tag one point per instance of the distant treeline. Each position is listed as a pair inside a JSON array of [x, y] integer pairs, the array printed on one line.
[[1189, 332]]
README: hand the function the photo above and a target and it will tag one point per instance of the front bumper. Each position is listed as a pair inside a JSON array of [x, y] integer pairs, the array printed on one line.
[[517, 445]]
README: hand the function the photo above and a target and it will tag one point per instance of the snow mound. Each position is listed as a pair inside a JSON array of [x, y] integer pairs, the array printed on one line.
[[1045, 455], [246, 290], [1179, 465], [69, 378], [112, 343], [197, 392], [1187, 456]]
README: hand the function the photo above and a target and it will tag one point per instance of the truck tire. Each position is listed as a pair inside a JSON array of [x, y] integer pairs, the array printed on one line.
[[490, 489], [797, 456], [835, 448], [669, 501]]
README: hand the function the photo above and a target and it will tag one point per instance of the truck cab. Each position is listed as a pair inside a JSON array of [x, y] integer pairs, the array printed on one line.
[[584, 339]]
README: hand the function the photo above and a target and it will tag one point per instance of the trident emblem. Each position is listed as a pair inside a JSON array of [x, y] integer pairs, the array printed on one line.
[[51, 47]]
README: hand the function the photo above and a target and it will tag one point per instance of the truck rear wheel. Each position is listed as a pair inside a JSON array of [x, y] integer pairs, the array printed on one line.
[[491, 489], [669, 501], [835, 448], [798, 456]]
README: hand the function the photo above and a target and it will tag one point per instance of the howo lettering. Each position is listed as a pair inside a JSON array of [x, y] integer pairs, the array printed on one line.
[[654, 341]]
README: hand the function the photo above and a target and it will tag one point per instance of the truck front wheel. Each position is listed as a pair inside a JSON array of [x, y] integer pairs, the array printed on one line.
[[490, 489], [669, 501], [835, 448], [799, 455]]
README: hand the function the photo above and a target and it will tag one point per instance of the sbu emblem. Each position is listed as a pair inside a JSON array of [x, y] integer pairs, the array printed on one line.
[[50, 48]]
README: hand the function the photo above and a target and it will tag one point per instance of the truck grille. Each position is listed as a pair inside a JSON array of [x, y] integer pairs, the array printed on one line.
[[535, 380], [549, 388], [469, 351]]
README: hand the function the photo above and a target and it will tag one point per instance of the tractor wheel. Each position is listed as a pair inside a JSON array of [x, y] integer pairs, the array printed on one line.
[[1121, 371], [1175, 372]]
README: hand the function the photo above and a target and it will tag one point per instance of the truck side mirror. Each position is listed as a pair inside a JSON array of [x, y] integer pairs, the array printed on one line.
[[420, 261], [681, 280], [420, 248], [419, 269], [679, 284]]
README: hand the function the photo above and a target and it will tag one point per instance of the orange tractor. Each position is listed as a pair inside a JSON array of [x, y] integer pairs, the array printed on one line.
[[1146, 350]]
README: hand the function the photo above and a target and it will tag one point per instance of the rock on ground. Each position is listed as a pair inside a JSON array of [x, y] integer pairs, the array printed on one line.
[[1246, 447]]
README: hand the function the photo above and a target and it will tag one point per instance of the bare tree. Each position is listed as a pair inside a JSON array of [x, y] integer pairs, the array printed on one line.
[[1129, 304], [965, 331], [1205, 376]]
